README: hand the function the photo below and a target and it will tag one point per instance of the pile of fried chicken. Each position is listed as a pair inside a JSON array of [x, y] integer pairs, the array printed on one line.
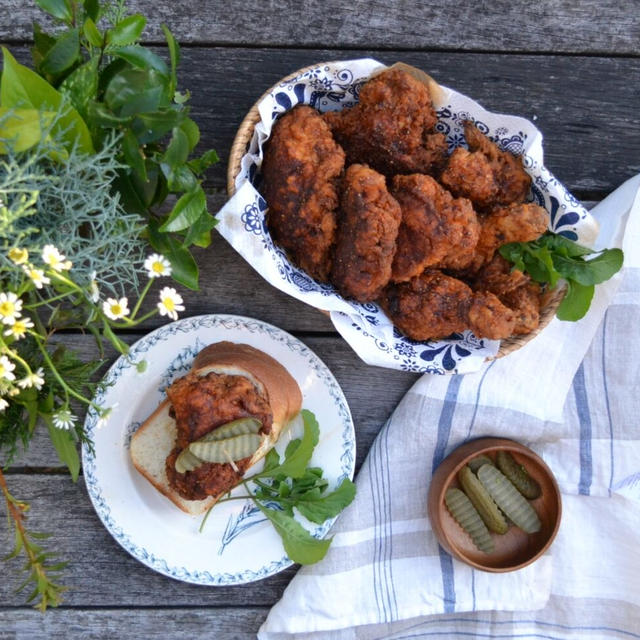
[[369, 199]]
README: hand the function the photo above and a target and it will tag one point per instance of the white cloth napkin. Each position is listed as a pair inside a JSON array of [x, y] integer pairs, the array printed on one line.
[[572, 395]]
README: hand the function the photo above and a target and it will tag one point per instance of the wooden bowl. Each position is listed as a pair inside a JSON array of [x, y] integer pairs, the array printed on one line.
[[550, 301], [515, 549]]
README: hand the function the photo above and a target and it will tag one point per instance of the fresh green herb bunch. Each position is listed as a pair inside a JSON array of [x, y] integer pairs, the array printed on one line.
[[284, 485], [553, 257], [114, 84]]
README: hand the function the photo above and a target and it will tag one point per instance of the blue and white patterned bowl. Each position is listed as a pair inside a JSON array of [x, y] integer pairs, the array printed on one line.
[[336, 85]]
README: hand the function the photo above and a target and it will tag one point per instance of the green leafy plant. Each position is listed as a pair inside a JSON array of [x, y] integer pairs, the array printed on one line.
[[553, 257], [103, 81], [288, 484]]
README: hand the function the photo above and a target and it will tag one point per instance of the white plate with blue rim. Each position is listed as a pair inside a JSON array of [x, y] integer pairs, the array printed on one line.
[[238, 544]]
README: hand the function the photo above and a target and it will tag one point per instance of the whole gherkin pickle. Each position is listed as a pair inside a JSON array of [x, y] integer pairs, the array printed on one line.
[[477, 462], [518, 475], [509, 499], [482, 501], [468, 518]]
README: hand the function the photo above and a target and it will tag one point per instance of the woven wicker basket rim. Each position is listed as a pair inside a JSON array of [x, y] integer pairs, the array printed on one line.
[[243, 136]]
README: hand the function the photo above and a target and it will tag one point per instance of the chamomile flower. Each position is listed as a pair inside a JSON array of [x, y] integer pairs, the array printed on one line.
[[18, 256], [10, 307], [64, 419], [6, 368], [55, 259], [34, 379], [104, 416], [37, 276], [3, 404], [157, 266], [170, 303], [115, 309], [19, 328]]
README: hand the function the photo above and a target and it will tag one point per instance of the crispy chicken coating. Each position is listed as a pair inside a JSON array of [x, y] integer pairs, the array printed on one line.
[[301, 169], [436, 229], [391, 127], [515, 290], [199, 405], [486, 174], [433, 305], [515, 223], [368, 223]]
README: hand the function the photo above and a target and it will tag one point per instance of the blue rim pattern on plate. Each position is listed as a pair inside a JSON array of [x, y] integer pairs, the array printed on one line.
[[137, 352]]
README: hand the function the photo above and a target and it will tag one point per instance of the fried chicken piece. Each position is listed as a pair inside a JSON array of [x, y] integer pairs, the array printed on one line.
[[433, 305], [514, 289], [515, 223], [199, 405], [436, 229], [368, 223], [301, 169], [391, 127], [486, 174]]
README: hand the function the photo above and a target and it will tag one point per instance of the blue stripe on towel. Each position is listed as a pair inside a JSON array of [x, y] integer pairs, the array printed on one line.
[[373, 481], [606, 393], [444, 429], [584, 418], [393, 603]]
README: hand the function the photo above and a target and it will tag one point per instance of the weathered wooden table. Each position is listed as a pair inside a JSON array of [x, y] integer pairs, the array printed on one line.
[[573, 68]]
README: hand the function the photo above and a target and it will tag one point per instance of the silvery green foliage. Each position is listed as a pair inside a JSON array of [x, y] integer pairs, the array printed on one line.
[[75, 209]]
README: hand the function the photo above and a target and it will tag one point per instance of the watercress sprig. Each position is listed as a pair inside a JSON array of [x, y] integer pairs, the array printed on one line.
[[553, 257], [290, 483]]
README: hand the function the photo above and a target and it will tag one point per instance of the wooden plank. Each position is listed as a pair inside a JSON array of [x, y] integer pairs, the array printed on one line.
[[372, 393], [221, 623], [589, 26], [584, 106]]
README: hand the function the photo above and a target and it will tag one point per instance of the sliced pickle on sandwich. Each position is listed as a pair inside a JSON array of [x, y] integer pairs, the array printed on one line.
[[227, 450], [238, 427]]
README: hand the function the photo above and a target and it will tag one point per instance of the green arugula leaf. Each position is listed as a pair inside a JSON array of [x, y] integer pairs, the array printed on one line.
[[63, 54], [576, 301], [22, 88], [594, 271], [298, 543], [271, 460], [127, 31], [60, 9], [294, 465], [65, 446], [561, 245], [319, 508]]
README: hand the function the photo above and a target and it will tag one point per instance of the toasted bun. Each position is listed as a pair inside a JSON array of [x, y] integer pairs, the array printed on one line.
[[155, 438]]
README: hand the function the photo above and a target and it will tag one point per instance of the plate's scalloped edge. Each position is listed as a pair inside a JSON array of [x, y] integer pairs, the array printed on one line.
[[142, 347]]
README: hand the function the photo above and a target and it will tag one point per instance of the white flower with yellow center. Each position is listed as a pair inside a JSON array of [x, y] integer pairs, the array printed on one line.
[[170, 303], [157, 266], [56, 260], [6, 368], [3, 404], [19, 328], [64, 419], [18, 256], [34, 379], [10, 307], [115, 309], [37, 276]]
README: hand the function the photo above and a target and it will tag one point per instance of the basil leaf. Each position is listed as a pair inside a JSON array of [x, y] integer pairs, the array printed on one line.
[[127, 31], [63, 54], [186, 211], [576, 301], [20, 87], [319, 509], [594, 271], [65, 446], [298, 543], [295, 463], [60, 9]]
